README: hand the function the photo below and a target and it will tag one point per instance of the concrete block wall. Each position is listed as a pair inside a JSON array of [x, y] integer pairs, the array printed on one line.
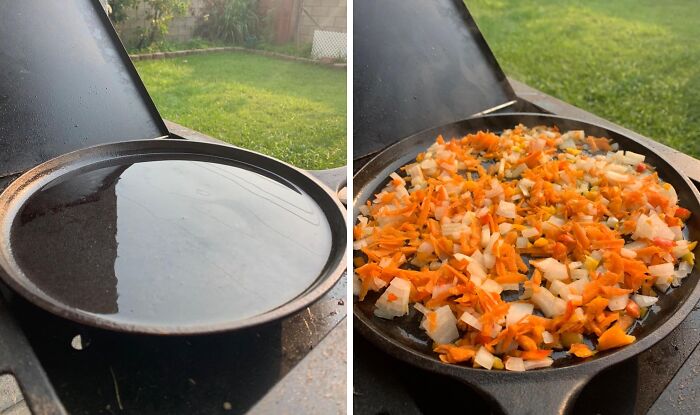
[[330, 15]]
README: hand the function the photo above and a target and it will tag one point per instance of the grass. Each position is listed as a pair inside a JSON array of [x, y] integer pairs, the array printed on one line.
[[289, 110], [291, 48], [172, 46], [633, 62]]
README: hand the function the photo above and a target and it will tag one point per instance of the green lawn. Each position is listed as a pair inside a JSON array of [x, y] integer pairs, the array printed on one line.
[[289, 110], [634, 62]]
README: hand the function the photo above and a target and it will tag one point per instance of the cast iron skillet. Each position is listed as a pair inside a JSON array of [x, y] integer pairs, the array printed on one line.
[[124, 154], [546, 391]]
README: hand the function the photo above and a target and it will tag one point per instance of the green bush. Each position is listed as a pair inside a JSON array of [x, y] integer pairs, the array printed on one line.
[[231, 21]]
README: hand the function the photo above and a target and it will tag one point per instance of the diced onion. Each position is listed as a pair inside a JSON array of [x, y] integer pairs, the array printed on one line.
[[521, 242], [550, 305], [537, 364], [515, 364], [661, 270], [484, 358], [618, 302], [551, 269], [506, 209], [471, 320], [399, 306], [491, 286], [530, 232], [517, 311], [445, 328], [644, 300]]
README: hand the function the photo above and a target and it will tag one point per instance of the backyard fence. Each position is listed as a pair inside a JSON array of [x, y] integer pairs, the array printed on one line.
[[322, 23]]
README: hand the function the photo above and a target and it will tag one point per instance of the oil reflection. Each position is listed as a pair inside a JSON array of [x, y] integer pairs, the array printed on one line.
[[172, 242]]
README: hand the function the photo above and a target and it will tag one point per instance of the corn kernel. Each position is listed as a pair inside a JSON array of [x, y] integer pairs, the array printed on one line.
[[541, 242]]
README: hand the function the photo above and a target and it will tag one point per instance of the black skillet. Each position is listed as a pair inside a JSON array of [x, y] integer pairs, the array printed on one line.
[[546, 391], [170, 237]]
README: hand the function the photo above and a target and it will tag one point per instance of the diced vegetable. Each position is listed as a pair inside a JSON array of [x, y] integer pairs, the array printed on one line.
[[550, 305], [471, 320], [518, 311], [644, 300], [661, 270], [618, 302], [441, 325], [552, 269], [394, 301], [506, 209], [614, 337], [484, 358], [515, 364], [545, 214]]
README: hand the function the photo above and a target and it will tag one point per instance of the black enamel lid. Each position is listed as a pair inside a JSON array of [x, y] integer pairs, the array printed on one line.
[[66, 83], [418, 64]]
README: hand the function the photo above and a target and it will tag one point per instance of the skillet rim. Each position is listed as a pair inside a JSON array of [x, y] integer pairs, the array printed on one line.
[[23, 187]]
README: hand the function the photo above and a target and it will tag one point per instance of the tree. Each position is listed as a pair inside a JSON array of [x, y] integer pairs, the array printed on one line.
[[159, 13]]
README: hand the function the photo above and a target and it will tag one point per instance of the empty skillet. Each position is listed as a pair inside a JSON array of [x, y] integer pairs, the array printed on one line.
[[545, 391], [170, 237]]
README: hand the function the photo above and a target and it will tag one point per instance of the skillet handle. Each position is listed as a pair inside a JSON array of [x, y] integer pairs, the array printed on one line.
[[18, 359], [536, 393], [335, 179]]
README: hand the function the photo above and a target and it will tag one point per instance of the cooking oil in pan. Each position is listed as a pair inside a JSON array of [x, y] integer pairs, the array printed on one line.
[[172, 242]]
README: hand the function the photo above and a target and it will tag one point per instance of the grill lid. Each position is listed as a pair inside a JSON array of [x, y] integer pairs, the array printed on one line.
[[418, 64], [66, 83]]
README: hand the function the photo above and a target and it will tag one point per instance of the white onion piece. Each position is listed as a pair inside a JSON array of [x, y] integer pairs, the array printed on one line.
[[628, 253], [547, 337], [517, 311], [575, 265], [389, 309], [445, 328], [504, 228], [515, 364], [484, 358], [485, 235], [521, 242], [475, 270], [644, 300], [550, 305], [506, 209], [471, 320], [552, 269], [577, 286], [530, 232], [421, 308], [579, 274], [558, 287], [537, 364], [618, 302], [356, 284], [661, 270], [491, 286]]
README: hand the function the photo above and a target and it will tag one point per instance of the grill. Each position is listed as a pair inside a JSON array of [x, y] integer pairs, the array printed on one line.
[[423, 64], [66, 84]]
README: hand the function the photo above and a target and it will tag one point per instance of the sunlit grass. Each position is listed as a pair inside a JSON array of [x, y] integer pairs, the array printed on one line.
[[289, 110], [630, 61]]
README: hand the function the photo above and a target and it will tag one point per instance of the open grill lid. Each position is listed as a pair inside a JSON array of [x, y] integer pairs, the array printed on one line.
[[66, 83], [419, 64]]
